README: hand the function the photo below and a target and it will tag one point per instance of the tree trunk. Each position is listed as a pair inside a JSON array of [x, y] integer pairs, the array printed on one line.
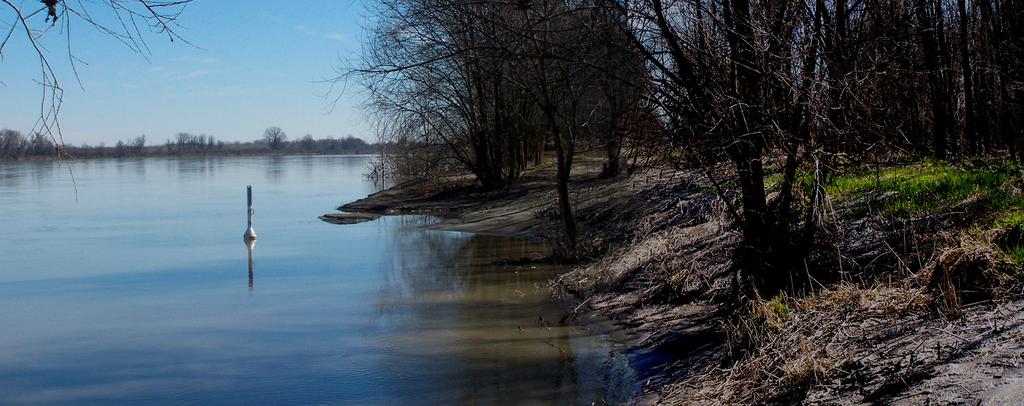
[[614, 150], [755, 257], [946, 73], [930, 49], [563, 155], [985, 89], [747, 152], [799, 127], [967, 71]]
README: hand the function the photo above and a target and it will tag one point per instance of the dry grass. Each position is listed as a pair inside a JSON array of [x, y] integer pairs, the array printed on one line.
[[784, 347], [878, 326], [968, 272]]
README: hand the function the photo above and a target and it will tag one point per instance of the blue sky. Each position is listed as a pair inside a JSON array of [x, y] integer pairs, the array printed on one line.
[[256, 64]]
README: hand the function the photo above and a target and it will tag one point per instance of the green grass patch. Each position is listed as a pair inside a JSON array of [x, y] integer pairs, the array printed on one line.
[[773, 181], [778, 306], [922, 188], [935, 187], [1011, 224], [1015, 252], [1010, 220]]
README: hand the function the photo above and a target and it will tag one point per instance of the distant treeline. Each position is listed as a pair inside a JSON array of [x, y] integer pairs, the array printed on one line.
[[15, 145]]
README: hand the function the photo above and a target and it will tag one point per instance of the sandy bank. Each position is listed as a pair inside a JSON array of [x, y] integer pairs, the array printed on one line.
[[512, 211], [523, 209]]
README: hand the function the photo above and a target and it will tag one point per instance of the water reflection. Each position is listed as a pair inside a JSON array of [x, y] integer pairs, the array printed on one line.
[[275, 168], [195, 167], [383, 312], [42, 171], [307, 165], [9, 177], [481, 308], [131, 167], [249, 245]]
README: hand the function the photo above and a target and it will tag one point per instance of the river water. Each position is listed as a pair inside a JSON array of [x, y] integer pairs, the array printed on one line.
[[128, 282]]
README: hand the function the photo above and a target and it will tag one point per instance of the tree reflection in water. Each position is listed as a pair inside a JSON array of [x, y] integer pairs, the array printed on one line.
[[481, 307]]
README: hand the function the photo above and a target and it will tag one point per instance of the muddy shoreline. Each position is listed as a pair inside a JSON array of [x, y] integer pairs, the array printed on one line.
[[525, 209], [518, 210], [506, 213], [657, 250]]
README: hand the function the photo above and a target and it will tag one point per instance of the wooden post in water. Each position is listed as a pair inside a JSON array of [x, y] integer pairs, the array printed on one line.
[[250, 234]]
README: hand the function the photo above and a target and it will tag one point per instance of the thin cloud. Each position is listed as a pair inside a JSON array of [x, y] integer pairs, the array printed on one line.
[[195, 73], [303, 29], [339, 37], [330, 36], [175, 74], [201, 60]]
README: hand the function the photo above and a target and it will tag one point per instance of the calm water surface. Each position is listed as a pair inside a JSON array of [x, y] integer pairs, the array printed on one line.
[[138, 290]]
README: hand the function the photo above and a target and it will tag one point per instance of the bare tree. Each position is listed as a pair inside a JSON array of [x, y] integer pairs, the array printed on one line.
[[444, 75], [12, 144], [138, 144], [751, 85], [488, 85], [123, 20], [274, 137]]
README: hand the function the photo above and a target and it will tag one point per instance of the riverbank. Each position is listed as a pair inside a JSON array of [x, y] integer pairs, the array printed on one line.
[[917, 301], [521, 209]]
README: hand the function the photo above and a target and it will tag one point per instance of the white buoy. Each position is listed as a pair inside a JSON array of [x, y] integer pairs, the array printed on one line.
[[250, 234]]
